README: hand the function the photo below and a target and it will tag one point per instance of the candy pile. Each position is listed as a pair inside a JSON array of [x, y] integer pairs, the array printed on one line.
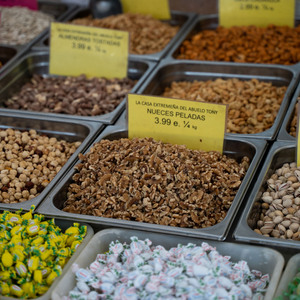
[[33, 252], [139, 271]]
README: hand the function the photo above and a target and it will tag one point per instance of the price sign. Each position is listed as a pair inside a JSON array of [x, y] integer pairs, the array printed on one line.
[[256, 12], [198, 125], [92, 51], [156, 8], [32, 4]]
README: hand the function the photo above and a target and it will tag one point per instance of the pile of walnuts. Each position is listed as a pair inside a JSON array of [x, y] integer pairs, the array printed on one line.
[[148, 181]]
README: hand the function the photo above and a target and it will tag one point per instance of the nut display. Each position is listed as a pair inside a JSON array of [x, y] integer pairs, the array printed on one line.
[[280, 214], [71, 95], [272, 45], [147, 34], [252, 104], [148, 181], [28, 162], [19, 25], [140, 270], [33, 252]]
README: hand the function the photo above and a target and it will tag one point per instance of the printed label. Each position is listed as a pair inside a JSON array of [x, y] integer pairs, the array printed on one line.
[[256, 12], [156, 8], [198, 125], [95, 52]]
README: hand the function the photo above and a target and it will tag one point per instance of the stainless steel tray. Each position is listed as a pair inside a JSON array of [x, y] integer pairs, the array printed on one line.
[[8, 55], [201, 22], [67, 130], [169, 70], [266, 260], [290, 271], [281, 152], [283, 134], [182, 19], [235, 148], [38, 63], [60, 11], [64, 224]]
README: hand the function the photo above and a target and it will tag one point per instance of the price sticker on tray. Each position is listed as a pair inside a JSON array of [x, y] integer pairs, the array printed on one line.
[[156, 8], [32, 4], [198, 125], [256, 12], [95, 52]]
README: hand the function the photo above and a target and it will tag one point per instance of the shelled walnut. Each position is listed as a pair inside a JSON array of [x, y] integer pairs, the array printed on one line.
[[148, 181]]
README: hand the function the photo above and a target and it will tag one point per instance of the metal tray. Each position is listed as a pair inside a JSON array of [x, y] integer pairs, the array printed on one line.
[[290, 271], [59, 11], [266, 260], [281, 152], [182, 19], [169, 70], [38, 63], [62, 129], [201, 22], [235, 148], [8, 55], [283, 133], [64, 224]]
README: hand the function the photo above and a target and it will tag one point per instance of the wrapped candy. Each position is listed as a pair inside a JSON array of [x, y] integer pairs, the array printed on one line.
[[33, 252], [142, 271]]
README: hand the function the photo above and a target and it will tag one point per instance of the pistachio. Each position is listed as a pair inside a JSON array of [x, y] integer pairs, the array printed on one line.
[[287, 203], [289, 233], [294, 227], [265, 230], [286, 223], [283, 211], [278, 219], [267, 199]]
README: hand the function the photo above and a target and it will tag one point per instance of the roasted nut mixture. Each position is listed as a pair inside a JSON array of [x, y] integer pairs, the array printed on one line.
[[280, 214], [28, 162], [272, 45], [71, 95], [252, 105], [19, 25], [147, 35], [148, 181]]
